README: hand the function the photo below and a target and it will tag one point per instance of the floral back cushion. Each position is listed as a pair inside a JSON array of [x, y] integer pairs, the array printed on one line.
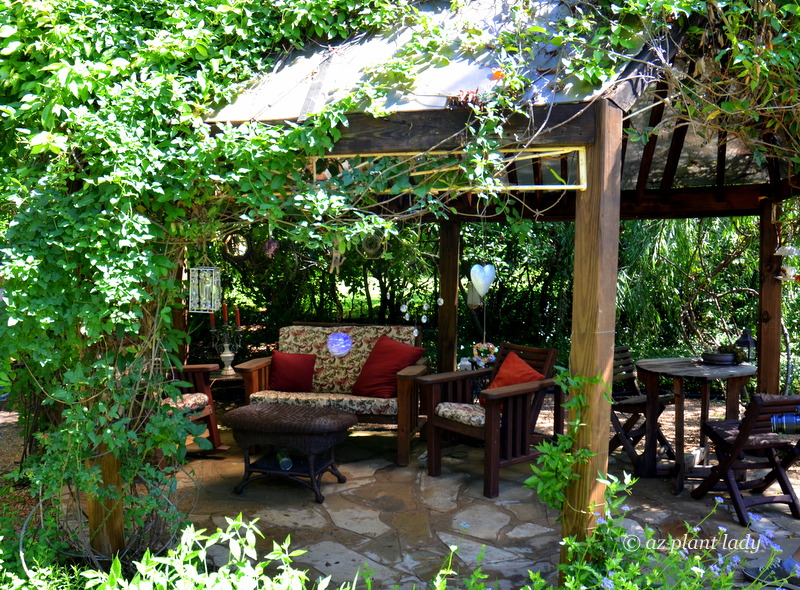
[[338, 374]]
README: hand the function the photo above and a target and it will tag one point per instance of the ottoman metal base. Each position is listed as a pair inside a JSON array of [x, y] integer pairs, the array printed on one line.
[[309, 431]]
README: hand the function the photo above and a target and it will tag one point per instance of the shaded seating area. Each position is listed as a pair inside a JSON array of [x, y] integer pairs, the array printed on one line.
[[502, 415], [368, 371], [751, 445], [630, 401]]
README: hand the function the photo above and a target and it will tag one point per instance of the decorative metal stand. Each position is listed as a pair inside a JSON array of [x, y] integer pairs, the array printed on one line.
[[227, 340]]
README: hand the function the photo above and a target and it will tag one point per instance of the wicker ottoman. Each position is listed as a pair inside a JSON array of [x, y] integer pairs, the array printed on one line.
[[311, 433]]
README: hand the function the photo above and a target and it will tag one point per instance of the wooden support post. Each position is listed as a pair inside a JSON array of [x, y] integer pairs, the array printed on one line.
[[594, 313], [449, 256], [768, 330], [106, 522]]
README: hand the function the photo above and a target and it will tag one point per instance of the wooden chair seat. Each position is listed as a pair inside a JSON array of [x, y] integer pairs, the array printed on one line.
[[505, 420], [751, 446]]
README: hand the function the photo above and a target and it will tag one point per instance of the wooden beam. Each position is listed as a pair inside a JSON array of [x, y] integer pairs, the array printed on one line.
[[449, 256], [768, 330], [686, 203], [649, 151], [594, 315], [416, 132], [674, 154]]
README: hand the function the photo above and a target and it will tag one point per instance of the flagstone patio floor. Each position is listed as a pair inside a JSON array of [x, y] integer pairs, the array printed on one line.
[[399, 522]]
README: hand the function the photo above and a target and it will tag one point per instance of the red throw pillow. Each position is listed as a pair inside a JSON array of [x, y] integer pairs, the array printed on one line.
[[514, 371], [378, 377], [291, 372]]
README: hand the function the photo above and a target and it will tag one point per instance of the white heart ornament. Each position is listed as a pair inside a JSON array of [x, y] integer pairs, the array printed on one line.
[[482, 277]]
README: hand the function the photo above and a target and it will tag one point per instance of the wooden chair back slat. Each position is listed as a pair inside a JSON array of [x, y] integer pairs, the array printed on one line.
[[624, 372]]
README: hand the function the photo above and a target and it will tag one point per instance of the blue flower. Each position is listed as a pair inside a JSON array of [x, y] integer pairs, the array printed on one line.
[[465, 525], [718, 500], [601, 520], [607, 582], [722, 529], [625, 507]]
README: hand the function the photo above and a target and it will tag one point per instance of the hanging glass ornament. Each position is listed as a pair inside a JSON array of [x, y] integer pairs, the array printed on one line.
[[415, 332], [482, 276], [424, 319], [403, 308], [425, 306], [339, 344], [440, 302], [205, 289], [407, 316]]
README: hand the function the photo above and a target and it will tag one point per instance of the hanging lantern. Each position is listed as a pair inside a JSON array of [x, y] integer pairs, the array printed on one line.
[[747, 343], [205, 289]]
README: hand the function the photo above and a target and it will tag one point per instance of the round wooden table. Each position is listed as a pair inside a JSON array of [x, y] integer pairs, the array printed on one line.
[[679, 369]]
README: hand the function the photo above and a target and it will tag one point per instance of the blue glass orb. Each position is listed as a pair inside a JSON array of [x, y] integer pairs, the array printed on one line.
[[339, 344]]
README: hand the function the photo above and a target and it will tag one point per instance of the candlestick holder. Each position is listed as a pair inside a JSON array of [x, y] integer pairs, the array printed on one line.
[[227, 339]]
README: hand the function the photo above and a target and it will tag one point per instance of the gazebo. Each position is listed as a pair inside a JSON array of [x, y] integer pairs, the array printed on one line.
[[603, 177]]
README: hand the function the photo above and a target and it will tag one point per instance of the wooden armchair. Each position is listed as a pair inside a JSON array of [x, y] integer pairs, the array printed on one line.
[[628, 399], [752, 445], [197, 401], [504, 419]]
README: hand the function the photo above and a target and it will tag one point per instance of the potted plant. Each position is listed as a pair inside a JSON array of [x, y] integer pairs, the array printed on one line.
[[725, 354]]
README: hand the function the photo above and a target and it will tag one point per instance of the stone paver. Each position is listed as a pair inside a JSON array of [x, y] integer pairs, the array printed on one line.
[[401, 522]]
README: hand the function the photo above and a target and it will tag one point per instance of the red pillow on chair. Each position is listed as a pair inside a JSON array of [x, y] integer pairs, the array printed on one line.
[[514, 371], [291, 372], [378, 377]]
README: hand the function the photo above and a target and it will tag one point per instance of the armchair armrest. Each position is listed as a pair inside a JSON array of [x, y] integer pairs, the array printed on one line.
[[253, 364], [452, 376], [518, 389], [413, 371], [255, 374], [204, 368]]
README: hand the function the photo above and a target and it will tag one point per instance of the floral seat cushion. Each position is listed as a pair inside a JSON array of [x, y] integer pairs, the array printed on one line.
[[471, 414], [354, 404], [338, 374], [189, 403]]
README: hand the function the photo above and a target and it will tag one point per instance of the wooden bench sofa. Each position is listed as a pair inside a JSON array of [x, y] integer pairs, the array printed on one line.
[[338, 381]]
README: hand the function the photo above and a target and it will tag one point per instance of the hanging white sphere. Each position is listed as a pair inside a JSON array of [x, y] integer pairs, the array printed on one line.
[[407, 316], [440, 302], [403, 308], [424, 319]]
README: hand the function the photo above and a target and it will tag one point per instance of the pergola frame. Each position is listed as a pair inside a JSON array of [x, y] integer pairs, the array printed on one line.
[[597, 126]]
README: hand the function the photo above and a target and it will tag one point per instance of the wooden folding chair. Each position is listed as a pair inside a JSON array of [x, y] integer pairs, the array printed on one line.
[[752, 445], [629, 399]]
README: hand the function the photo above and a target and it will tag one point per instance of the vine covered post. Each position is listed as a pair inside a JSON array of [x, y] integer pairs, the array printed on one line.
[[594, 314]]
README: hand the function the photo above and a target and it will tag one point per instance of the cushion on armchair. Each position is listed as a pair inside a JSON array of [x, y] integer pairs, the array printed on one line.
[[378, 376], [291, 372], [514, 371]]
